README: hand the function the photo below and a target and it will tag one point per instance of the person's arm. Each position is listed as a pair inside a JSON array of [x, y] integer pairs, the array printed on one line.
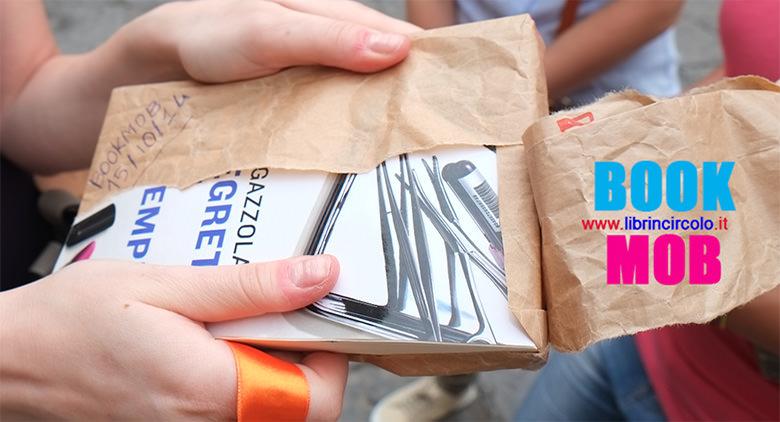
[[53, 105], [602, 40], [431, 13], [759, 320]]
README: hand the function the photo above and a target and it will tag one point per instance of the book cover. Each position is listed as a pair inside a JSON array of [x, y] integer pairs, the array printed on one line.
[[418, 240]]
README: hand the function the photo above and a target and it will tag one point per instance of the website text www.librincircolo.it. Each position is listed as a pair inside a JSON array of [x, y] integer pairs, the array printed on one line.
[[631, 223]]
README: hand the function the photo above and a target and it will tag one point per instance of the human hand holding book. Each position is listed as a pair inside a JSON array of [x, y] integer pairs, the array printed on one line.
[[162, 348], [418, 276]]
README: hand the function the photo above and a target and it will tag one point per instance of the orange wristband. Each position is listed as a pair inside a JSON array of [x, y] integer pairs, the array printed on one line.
[[269, 389]]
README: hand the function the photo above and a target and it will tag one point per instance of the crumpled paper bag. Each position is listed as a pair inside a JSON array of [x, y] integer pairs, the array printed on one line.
[[477, 84], [473, 84], [734, 120]]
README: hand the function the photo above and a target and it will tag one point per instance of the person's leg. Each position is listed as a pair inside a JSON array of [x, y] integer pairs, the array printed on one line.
[[456, 384], [604, 382], [427, 399], [571, 387], [631, 387]]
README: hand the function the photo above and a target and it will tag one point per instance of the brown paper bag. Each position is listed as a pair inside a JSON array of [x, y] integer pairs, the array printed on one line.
[[735, 120], [478, 84], [473, 84]]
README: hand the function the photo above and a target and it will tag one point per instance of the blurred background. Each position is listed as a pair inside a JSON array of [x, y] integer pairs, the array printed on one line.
[[80, 25]]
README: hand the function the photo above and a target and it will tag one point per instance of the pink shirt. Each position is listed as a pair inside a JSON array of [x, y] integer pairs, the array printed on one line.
[[700, 371], [750, 34]]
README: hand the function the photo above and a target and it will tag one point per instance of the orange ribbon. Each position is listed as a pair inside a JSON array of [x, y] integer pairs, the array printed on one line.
[[269, 389]]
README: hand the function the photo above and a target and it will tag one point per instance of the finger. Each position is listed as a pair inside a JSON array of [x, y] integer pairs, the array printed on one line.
[[326, 374], [230, 292], [351, 11], [302, 39]]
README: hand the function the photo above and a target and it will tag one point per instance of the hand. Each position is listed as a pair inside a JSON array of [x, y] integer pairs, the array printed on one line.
[[113, 340], [49, 96], [219, 41]]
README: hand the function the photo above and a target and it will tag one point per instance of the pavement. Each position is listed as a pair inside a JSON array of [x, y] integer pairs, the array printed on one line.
[[80, 25]]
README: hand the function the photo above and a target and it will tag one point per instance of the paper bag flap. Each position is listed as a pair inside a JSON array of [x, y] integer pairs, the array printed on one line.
[[479, 84], [522, 248], [735, 120]]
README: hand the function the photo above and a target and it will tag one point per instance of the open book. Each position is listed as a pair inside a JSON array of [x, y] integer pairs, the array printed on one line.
[[418, 240]]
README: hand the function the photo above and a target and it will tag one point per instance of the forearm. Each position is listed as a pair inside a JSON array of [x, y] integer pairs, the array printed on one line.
[[431, 13], [603, 40], [55, 121], [62, 106]]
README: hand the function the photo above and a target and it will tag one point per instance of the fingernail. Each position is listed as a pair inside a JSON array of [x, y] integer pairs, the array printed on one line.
[[311, 271], [385, 43]]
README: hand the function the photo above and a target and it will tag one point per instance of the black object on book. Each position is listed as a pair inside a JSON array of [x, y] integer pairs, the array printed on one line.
[[91, 225]]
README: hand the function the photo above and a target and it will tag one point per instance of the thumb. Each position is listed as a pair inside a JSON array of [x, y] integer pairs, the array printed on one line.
[[230, 292], [313, 39]]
